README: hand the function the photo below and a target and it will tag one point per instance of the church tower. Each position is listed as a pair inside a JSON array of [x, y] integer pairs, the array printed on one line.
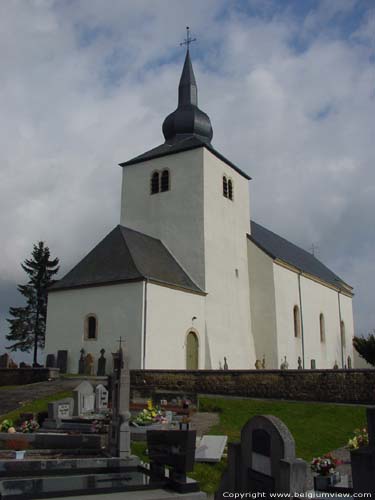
[[188, 195]]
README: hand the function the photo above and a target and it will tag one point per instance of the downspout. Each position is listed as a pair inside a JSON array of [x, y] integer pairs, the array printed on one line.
[[301, 312], [340, 327], [144, 324]]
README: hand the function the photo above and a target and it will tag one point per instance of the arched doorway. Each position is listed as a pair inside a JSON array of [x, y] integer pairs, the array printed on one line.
[[192, 350]]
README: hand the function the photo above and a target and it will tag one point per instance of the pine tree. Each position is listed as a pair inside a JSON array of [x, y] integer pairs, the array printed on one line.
[[365, 346], [28, 325]]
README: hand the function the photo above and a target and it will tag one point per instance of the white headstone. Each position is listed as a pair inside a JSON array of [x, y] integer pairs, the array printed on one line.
[[84, 398], [101, 398], [210, 448]]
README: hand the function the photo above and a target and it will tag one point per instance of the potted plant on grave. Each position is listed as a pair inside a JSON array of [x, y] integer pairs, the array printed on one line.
[[325, 469]]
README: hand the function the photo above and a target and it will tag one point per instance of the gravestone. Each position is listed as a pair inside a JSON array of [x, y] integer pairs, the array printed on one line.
[[101, 364], [210, 448], [89, 364], [349, 363], [258, 364], [284, 364], [363, 460], [84, 398], [63, 408], [264, 461], [120, 384], [51, 361], [12, 364], [313, 364], [62, 361], [4, 360], [299, 362], [101, 398], [264, 362], [81, 362]]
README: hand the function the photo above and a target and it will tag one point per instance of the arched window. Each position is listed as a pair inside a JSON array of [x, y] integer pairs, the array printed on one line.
[[342, 333], [165, 180], [91, 327], [225, 186], [296, 322], [230, 189], [155, 183], [322, 328]]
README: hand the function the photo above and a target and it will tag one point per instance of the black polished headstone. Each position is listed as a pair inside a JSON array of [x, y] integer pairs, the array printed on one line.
[[81, 363], [101, 364], [62, 361], [51, 361]]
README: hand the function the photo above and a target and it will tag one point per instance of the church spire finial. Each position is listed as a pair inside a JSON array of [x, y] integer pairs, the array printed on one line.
[[187, 120], [188, 39]]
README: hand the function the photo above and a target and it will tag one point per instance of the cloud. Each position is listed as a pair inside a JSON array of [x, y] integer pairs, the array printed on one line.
[[86, 84]]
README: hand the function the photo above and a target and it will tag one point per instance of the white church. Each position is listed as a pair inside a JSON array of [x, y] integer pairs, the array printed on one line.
[[188, 280]]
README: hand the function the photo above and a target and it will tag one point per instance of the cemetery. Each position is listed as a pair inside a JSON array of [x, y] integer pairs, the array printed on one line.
[[115, 434]]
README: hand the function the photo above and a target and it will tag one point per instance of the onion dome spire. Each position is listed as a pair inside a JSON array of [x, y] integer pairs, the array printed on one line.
[[187, 120]]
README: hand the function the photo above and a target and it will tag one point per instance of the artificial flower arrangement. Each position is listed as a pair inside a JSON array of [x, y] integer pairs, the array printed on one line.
[[359, 439], [7, 426], [324, 465], [29, 426], [150, 415]]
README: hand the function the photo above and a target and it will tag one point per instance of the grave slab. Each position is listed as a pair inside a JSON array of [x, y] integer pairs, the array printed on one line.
[[210, 448]]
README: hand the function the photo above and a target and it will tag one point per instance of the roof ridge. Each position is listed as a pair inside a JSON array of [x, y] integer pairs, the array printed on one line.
[[128, 249]]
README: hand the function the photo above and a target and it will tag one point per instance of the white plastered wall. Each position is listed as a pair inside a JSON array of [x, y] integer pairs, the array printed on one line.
[[262, 305], [226, 224], [316, 298], [119, 311], [170, 314], [174, 216]]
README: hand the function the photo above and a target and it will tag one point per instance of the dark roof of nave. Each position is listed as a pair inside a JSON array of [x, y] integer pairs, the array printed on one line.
[[278, 247], [126, 255], [185, 144]]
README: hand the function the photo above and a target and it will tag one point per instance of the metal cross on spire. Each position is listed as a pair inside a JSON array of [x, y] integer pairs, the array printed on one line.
[[188, 39]]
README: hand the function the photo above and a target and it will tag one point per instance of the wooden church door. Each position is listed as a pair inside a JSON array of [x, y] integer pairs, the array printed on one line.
[[192, 349]]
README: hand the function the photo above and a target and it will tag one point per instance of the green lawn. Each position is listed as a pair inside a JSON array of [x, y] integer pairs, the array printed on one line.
[[35, 406], [316, 427]]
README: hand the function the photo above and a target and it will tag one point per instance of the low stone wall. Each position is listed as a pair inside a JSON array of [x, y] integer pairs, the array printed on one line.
[[341, 386], [21, 376]]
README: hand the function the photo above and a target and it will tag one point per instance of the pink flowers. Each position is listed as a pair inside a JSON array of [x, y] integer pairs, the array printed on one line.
[[324, 465]]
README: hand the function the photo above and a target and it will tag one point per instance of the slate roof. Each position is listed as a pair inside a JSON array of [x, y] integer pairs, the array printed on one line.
[[280, 248], [127, 255], [190, 142]]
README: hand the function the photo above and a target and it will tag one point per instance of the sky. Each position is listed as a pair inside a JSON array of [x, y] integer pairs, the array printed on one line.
[[289, 86]]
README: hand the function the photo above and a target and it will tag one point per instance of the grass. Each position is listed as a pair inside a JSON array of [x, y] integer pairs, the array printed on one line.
[[35, 406], [316, 427]]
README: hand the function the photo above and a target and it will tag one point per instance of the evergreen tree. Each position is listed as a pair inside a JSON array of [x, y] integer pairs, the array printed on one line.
[[28, 325], [365, 346]]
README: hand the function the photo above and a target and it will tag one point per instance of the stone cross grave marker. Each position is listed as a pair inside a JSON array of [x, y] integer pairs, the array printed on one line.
[[84, 398], [101, 398], [264, 461]]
